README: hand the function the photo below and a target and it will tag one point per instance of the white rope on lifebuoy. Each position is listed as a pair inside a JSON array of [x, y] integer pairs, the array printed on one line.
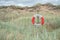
[[40, 18]]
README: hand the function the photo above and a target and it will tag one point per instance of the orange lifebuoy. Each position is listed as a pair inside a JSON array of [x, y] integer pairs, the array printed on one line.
[[41, 18], [33, 20]]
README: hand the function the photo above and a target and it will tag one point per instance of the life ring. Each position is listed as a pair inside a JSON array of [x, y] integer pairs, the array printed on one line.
[[41, 18]]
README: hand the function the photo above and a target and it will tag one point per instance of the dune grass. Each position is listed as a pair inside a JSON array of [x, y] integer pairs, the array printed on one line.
[[22, 29]]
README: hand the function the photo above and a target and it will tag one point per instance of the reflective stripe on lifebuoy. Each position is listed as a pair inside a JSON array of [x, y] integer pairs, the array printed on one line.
[[41, 18]]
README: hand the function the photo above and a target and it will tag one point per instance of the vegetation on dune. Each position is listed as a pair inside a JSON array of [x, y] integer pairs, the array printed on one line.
[[58, 7], [15, 24], [22, 29]]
